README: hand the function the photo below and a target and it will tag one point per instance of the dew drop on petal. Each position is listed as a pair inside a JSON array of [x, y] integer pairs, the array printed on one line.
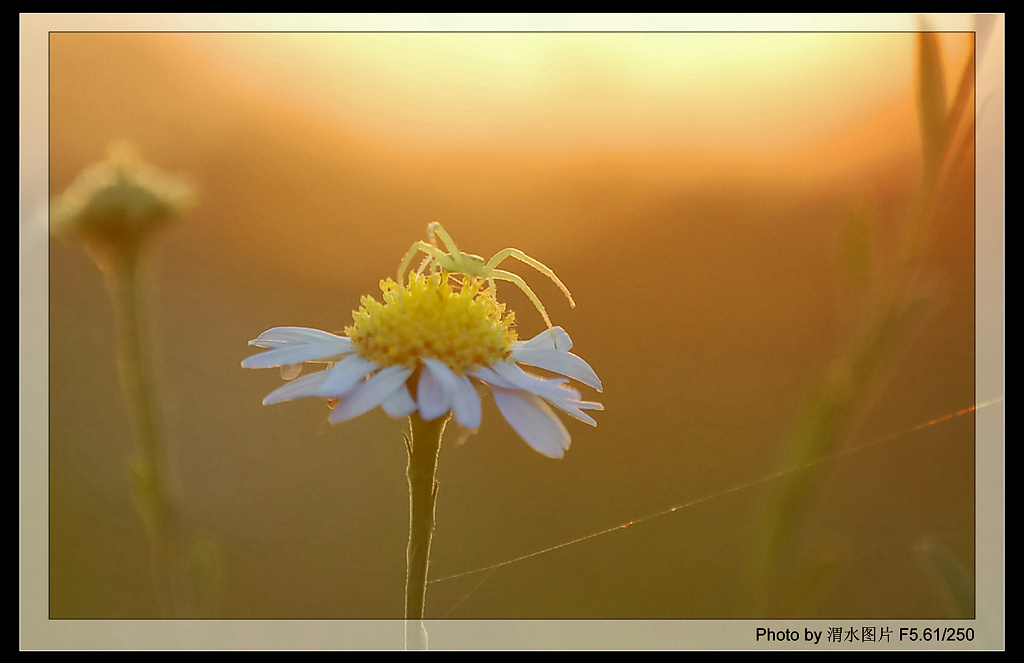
[[462, 434], [291, 371]]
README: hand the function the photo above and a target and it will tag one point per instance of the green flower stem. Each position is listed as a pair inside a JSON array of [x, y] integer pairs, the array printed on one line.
[[147, 464], [423, 443]]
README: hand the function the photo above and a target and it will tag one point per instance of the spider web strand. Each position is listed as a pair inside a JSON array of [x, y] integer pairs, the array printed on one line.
[[729, 491]]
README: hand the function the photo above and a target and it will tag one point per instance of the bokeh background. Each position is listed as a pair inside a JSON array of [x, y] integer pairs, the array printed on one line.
[[694, 192]]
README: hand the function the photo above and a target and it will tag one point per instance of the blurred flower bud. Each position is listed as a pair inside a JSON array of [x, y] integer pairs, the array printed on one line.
[[113, 205]]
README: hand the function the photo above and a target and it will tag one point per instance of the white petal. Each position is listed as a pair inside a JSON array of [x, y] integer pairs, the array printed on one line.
[[458, 391], [467, 407], [562, 397], [294, 355], [371, 393], [574, 408], [400, 403], [346, 374], [281, 336], [548, 388], [432, 399], [534, 421], [308, 385], [566, 438], [294, 345], [487, 375], [543, 340], [558, 361]]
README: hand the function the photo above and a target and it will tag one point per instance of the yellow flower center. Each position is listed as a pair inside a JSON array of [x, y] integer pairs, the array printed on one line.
[[462, 327]]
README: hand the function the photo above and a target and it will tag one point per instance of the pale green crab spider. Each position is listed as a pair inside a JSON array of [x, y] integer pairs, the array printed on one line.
[[457, 262]]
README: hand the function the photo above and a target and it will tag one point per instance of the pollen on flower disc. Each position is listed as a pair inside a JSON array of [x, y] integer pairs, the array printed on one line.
[[460, 326]]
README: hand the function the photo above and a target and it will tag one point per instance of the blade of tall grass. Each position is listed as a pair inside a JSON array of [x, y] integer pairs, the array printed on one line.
[[931, 104]]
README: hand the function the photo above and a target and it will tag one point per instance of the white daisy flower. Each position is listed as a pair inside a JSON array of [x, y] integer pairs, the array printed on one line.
[[427, 349]]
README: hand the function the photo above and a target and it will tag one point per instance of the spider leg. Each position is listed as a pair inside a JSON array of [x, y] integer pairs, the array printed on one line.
[[517, 280], [532, 262], [432, 254], [423, 264], [453, 260], [435, 228]]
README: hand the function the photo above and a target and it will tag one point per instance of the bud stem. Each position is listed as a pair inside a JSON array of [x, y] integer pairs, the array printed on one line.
[[152, 498]]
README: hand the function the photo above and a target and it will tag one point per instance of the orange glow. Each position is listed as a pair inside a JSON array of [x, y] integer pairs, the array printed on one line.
[[730, 212], [752, 94]]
